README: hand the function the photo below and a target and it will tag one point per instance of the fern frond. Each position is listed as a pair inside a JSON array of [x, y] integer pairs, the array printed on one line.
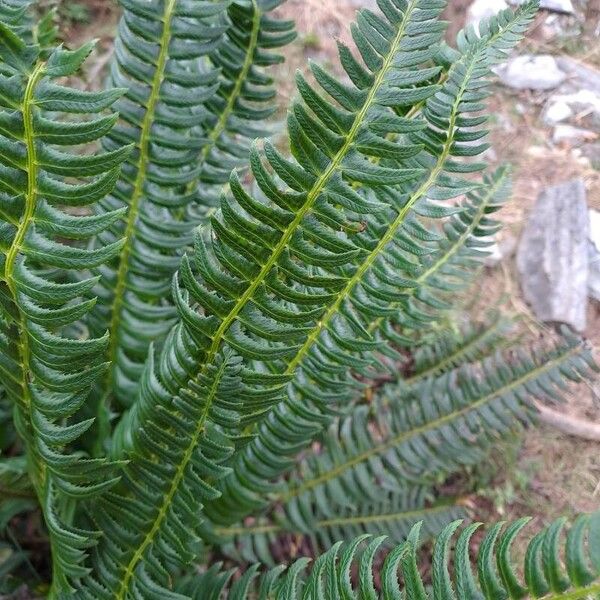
[[246, 93], [393, 515], [160, 58], [194, 130], [452, 264], [492, 573], [441, 425], [433, 428], [237, 297], [47, 366], [468, 343], [340, 343]]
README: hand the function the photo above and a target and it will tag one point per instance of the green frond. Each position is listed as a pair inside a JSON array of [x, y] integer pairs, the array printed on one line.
[[197, 92], [417, 433], [490, 573], [47, 366], [435, 427], [246, 95], [379, 287], [235, 295], [393, 514], [160, 59], [468, 343], [451, 264]]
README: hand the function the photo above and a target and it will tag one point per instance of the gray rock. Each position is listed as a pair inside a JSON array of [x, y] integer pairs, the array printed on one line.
[[484, 9], [579, 75], [572, 136], [530, 72], [562, 6], [578, 95], [561, 107], [594, 255], [552, 257]]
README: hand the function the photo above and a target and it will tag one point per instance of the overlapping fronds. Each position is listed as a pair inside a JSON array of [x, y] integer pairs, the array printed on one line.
[[392, 514], [465, 343], [245, 99], [491, 574], [414, 435], [452, 264], [47, 365], [256, 286], [197, 92], [398, 266], [160, 58], [441, 424], [308, 308]]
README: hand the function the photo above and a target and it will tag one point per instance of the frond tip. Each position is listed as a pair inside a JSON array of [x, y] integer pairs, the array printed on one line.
[[453, 576]]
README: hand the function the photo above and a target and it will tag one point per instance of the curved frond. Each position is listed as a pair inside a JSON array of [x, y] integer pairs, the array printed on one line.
[[491, 574], [48, 365], [392, 514], [342, 343], [198, 91], [435, 427], [243, 294], [160, 59]]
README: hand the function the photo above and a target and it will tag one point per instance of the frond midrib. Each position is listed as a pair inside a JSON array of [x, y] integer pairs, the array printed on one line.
[[406, 435], [387, 237], [138, 188], [317, 188], [450, 359], [39, 467], [416, 514], [312, 196], [179, 474]]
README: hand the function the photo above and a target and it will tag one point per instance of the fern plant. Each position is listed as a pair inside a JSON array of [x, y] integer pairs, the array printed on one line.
[[211, 345]]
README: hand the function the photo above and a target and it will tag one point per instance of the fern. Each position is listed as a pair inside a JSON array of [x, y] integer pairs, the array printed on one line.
[[154, 50], [47, 367], [452, 571], [244, 101], [198, 355], [391, 514], [194, 86], [452, 348], [334, 352], [426, 432]]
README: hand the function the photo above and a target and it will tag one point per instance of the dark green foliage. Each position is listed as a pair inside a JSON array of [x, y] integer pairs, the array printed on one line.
[[491, 575], [186, 342], [389, 513], [47, 366], [197, 92]]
